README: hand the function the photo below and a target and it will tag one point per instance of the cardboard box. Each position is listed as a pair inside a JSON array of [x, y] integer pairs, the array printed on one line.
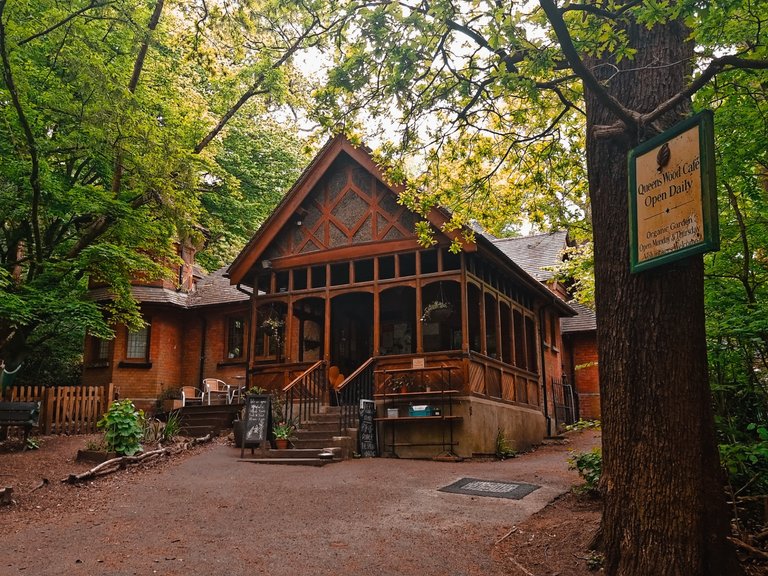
[[393, 413]]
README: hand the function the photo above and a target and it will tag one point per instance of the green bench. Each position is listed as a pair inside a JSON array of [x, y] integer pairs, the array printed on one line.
[[22, 414]]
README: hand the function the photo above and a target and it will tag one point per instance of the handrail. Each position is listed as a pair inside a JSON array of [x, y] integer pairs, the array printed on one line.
[[304, 396], [358, 386]]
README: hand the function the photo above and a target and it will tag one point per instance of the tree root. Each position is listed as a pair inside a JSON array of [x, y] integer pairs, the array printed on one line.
[[756, 552], [121, 462]]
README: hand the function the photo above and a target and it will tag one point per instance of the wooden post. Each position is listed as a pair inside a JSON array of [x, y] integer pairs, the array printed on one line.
[[46, 418]]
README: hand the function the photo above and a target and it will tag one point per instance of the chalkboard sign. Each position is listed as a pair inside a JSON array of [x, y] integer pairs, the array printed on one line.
[[367, 429], [257, 420]]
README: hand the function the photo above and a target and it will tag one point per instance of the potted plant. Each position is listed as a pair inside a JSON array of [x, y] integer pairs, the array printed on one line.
[[436, 311], [283, 432]]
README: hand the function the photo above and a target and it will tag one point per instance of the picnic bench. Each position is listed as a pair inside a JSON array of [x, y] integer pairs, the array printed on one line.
[[22, 414]]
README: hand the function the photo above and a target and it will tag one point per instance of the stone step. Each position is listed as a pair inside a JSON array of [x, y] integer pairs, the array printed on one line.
[[316, 434], [317, 444], [329, 429]]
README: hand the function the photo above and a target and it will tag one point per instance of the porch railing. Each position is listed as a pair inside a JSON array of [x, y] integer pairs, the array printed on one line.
[[305, 395], [359, 386]]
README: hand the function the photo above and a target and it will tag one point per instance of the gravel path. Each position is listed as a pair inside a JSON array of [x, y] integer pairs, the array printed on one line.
[[209, 514]]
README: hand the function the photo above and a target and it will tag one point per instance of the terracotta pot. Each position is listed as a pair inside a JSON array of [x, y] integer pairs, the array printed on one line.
[[281, 443]]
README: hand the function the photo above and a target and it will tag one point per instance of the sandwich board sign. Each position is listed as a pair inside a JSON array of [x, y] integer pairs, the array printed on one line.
[[672, 195]]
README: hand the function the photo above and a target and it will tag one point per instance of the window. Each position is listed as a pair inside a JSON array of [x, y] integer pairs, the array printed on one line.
[[428, 261], [318, 276], [300, 279], [530, 344], [137, 346], [386, 267], [520, 358], [99, 350], [235, 337], [363, 270]]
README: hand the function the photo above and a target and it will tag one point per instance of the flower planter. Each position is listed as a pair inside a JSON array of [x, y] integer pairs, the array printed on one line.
[[171, 404], [282, 443]]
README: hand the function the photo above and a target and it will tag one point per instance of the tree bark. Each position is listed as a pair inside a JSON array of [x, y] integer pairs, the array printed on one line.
[[665, 511]]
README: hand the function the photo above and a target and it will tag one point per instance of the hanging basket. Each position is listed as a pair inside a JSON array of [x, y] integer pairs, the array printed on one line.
[[436, 311], [440, 314]]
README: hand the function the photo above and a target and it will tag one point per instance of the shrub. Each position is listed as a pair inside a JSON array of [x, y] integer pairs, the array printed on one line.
[[590, 466], [123, 428], [503, 447]]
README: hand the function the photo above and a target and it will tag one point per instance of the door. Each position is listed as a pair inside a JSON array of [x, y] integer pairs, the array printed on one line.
[[351, 331]]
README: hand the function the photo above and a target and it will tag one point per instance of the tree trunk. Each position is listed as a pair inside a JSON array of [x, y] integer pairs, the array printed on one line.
[[665, 510]]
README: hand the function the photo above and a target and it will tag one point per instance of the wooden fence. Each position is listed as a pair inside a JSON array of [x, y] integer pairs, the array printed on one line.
[[66, 409]]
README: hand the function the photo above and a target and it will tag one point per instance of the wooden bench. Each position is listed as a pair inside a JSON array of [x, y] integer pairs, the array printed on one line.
[[24, 414]]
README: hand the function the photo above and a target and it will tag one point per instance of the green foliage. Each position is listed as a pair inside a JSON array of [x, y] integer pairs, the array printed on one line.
[[108, 159], [32, 443], [590, 467], [284, 430], [504, 448], [123, 428], [156, 431], [584, 425], [736, 285], [595, 560]]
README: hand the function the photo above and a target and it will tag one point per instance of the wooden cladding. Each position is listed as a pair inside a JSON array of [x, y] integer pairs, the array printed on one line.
[[348, 206]]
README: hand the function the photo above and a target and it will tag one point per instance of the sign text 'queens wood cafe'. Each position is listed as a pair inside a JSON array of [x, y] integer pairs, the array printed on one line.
[[672, 195]]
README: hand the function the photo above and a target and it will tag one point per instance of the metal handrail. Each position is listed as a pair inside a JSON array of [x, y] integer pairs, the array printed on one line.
[[358, 386], [305, 395]]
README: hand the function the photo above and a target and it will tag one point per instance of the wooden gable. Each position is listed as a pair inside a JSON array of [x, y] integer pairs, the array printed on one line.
[[348, 206], [342, 205]]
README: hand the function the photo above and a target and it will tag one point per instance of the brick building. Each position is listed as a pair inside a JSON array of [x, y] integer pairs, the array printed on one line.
[[539, 255], [335, 284]]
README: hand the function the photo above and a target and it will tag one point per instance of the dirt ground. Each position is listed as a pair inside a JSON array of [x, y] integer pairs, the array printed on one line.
[[204, 512]]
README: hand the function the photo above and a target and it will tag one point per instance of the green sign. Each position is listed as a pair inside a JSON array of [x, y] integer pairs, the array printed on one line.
[[672, 195]]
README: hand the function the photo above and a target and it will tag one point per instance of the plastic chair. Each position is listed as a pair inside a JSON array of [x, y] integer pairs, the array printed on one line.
[[218, 388], [191, 395]]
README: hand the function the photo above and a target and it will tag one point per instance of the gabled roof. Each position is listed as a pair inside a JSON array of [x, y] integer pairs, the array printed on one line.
[[584, 321], [293, 199], [211, 290], [216, 289], [535, 253]]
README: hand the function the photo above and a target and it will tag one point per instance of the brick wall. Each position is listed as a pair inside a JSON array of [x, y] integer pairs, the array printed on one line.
[[583, 365]]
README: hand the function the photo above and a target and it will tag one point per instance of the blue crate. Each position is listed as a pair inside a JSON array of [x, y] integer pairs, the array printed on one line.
[[423, 410]]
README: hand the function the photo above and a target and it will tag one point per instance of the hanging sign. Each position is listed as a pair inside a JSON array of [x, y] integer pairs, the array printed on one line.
[[672, 195]]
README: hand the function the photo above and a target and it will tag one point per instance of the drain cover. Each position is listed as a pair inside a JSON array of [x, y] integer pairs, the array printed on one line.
[[492, 488]]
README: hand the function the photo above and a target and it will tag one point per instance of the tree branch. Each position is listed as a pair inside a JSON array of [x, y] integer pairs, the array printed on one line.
[[93, 4], [138, 65], [29, 137], [716, 66], [254, 88], [555, 17]]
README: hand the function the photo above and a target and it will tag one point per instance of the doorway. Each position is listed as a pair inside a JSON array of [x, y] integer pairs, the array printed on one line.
[[351, 330]]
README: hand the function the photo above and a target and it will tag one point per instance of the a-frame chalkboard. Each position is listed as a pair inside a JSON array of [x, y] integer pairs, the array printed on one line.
[[367, 430], [257, 421]]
